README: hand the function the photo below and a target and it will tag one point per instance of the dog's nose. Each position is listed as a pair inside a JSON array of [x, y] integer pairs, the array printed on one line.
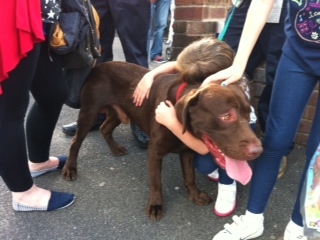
[[254, 151]]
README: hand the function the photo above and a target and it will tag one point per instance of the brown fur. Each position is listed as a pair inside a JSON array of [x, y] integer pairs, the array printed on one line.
[[109, 89]]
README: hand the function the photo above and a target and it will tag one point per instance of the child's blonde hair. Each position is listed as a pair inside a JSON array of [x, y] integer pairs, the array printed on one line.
[[202, 58]]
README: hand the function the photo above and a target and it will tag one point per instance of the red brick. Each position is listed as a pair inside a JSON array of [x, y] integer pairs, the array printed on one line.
[[215, 12], [301, 138], [180, 27], [314, 97], [190, 2], [201, 28], [189, 13], [310, 112], [305, 126], [220, 2]]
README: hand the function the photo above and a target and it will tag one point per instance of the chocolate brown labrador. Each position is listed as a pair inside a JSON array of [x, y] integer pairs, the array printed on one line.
[[217, 114]]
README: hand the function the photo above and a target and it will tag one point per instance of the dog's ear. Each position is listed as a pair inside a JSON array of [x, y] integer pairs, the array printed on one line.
[[183, 104]]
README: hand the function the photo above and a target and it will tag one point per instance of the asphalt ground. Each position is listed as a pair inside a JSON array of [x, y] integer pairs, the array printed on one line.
[[112, 192]]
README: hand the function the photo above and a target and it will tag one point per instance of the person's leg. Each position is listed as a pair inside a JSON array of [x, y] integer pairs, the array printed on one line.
[[132, 31], [271, 40], [50, 91], [282, 124], [227, 190], [312, 144], [106, 30], [204, 163], [14, 168], [152, 26], [160, 21], [14, 102], [295, 226]]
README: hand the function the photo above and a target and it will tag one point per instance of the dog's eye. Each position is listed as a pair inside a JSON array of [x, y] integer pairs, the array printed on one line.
[[229, 116], [226, 117]]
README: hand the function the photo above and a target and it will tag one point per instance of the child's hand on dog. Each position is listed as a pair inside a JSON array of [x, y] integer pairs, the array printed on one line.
[[166, 114], [143, 89]]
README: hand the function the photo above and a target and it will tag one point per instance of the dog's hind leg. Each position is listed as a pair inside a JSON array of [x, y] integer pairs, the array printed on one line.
[[85, 121], [195, 195], [107, 128]]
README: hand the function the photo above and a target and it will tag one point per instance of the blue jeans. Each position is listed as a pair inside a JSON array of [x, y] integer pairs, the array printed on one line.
[[291, 92], [205, 164], [159, 20]]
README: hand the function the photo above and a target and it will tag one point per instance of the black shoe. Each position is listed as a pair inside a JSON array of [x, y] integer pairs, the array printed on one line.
[[142, 139], [70, 129]]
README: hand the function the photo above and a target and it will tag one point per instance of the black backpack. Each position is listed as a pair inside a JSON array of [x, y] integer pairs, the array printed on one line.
[[77, 34]]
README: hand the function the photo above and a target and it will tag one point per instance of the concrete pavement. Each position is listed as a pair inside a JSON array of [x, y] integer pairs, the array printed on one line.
[[112, 194]]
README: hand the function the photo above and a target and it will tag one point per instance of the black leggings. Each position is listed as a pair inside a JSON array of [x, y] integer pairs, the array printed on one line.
[[49, 89], [44, 78]]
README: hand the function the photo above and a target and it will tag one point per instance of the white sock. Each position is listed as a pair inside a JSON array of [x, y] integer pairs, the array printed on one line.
[[292, 225], [254, 217]]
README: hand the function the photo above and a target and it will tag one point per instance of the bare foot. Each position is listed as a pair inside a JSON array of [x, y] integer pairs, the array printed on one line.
[[34, 197], [50, 163]]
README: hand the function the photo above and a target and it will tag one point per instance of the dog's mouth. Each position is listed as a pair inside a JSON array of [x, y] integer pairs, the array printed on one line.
[[239, 170]]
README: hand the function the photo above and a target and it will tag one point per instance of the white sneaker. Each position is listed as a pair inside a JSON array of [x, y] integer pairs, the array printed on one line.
[[214, 176], [226, 199], [241, 229], [294, 232]]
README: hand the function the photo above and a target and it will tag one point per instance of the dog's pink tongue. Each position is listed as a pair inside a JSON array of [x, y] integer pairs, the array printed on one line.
[[238, 170]]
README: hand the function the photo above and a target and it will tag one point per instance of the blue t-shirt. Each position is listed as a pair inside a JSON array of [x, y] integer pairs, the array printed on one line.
[[302, 28]]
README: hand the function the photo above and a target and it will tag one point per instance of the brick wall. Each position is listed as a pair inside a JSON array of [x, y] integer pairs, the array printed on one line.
[[199, 18], [195, 19]]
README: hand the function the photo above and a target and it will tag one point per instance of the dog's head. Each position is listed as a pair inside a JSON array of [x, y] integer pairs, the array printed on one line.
[[220, 116]]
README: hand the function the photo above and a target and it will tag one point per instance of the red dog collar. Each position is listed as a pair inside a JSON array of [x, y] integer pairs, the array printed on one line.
[[180, 90]]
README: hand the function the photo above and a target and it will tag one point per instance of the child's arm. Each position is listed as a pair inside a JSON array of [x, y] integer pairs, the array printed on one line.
[[166, 115], [143, 88]]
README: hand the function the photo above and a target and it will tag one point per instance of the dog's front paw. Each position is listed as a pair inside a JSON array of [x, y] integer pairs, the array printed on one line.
[[200, 198], [69, 173], [154, 212], [154, 207]]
